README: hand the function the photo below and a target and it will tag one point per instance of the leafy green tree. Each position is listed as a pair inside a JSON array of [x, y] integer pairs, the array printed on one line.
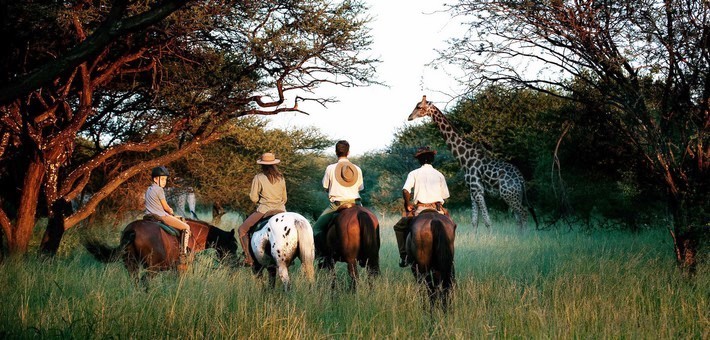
[[222, 172], [645, 62]]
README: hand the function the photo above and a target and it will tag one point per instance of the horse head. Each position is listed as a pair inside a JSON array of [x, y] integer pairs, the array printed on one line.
[[222, 241]]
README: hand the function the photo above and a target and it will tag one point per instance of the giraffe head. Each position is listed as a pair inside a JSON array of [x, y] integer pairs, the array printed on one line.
[[423, 109]]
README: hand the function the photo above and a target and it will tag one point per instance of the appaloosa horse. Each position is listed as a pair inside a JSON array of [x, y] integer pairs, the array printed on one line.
[[430, 245], [144, 244], [355, 238], [286, 236]]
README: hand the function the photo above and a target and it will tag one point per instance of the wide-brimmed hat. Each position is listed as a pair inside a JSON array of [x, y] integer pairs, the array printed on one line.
[[346, 174], [424, 150], [268, 159]]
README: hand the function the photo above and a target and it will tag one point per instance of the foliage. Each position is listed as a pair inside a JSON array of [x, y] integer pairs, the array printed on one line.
[[223, 171]]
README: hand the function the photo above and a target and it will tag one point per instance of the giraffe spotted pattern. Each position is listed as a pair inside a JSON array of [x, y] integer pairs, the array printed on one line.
[[483, 174]]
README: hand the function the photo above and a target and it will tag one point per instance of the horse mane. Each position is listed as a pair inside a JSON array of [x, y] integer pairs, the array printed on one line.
[[202, 223]]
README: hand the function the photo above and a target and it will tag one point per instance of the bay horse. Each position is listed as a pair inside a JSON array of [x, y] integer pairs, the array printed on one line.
[[430, 245], [144, 244], [354, 239], [285, 236]]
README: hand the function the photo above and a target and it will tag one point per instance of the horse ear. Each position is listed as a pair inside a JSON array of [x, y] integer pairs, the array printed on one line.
[[232, 231]]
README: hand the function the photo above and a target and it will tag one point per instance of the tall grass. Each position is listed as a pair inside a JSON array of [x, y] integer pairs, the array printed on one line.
[[548, 284]]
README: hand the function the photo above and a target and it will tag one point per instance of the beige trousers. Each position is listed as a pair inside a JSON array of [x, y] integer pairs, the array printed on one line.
[[174, 222]]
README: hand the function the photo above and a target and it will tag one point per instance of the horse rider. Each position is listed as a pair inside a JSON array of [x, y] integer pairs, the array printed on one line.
[[343, 183], [155, 204], [268, 191], [430, 191]]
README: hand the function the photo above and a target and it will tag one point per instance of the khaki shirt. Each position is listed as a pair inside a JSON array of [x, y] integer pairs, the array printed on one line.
[[429, 185], [337, 192], [268, 196]]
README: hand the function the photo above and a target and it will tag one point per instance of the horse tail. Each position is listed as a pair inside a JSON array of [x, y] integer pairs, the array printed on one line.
[[369, 236], [306, 246], [104, 253], [443, 252]]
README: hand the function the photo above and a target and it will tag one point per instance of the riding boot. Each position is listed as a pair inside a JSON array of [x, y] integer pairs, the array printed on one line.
[[248, 260], [401, 236], [182, 258]]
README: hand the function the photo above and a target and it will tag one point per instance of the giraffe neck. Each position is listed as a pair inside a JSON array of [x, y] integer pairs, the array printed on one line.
[[462, 149]]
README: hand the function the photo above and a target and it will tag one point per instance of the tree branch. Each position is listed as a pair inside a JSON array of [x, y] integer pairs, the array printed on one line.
[[111, 28], [107, 189]]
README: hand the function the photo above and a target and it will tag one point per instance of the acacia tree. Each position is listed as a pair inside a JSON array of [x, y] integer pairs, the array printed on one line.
[[646, 61], [160, 92], [223, 171]]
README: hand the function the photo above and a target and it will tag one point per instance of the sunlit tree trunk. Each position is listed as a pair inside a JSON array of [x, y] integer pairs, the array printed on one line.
[[21, 232]]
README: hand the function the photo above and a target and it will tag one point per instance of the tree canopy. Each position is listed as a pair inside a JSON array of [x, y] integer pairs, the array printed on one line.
[[157, 91], [640, 67]]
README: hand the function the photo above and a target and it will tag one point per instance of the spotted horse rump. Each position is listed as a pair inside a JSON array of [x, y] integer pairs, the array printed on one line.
[[286, 236]]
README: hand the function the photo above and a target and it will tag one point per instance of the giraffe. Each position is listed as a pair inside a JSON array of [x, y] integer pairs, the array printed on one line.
[[483, 174]]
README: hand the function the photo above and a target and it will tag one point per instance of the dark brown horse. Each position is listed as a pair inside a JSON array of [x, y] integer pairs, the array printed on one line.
[[430, 245], [144, 244], [354, 239]]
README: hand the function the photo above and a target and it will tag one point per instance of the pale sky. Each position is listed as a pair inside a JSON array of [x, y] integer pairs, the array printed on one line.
[[405, 34]]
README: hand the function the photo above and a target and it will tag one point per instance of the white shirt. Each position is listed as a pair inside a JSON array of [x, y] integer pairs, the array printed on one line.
[[429, 185], [336, 191]]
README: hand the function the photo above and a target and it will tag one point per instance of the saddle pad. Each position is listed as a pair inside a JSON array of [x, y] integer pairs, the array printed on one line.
[[262, 222], [168, 229]]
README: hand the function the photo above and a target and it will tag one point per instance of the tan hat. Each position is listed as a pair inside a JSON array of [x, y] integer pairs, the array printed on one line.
[[424, 150], [346, 174], [268, 158]]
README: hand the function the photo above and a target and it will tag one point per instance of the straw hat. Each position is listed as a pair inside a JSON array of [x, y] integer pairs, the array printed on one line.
[[424, 150], [346, 174], [268, 158]]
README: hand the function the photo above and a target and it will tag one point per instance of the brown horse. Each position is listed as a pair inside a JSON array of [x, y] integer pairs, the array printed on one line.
[[144, 244], [430, 245], [355, 238]]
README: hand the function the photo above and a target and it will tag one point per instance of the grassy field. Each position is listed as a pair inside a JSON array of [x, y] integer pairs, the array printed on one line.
[[540, 284]]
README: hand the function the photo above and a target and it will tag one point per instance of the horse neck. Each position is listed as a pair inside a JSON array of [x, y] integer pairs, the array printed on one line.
[[199, 231]]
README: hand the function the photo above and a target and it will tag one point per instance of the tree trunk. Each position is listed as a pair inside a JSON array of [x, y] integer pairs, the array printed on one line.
[[687, 230], [18, 242], [55, 227]]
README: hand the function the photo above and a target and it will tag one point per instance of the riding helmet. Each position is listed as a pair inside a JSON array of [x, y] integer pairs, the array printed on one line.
[[160, 171]]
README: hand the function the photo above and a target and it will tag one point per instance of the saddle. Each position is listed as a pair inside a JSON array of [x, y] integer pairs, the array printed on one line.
[[168, 229], [344, 206], [428, 207], [263, 221]]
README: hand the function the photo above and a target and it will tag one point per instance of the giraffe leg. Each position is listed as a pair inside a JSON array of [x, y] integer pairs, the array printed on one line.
[[478, 202], [474, 211], [484, 209], [515, 202]]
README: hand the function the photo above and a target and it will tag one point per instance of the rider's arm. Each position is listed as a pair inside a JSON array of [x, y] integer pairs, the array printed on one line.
[[407, 199], [166, 207], [255, 189]]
